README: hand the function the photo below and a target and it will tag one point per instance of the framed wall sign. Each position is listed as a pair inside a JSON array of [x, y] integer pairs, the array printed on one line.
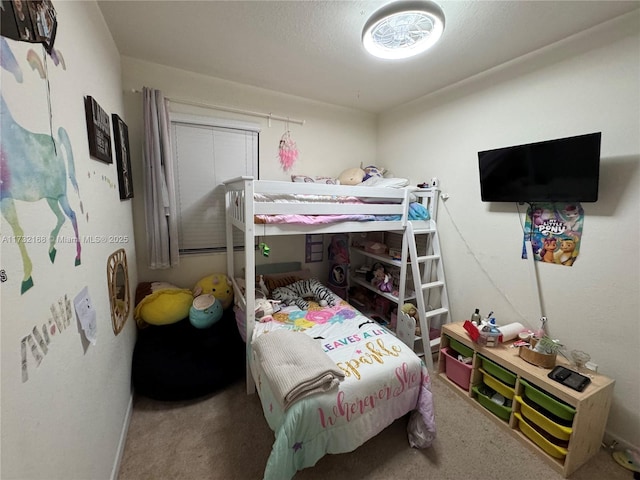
[[123, 159], [98, 130], [31, 21]]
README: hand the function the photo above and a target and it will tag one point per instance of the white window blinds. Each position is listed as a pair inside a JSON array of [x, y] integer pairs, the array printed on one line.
[[208, 151]]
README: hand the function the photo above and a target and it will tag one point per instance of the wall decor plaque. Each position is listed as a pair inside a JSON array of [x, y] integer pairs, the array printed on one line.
[[98, 130]]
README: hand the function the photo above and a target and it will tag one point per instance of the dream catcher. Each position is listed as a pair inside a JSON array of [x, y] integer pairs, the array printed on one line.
[[287, 150]]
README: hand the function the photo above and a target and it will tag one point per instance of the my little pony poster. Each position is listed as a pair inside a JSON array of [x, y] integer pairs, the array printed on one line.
[[555, 231]]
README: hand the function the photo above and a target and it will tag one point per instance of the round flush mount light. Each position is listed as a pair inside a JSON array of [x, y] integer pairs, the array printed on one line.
[[403, 28]]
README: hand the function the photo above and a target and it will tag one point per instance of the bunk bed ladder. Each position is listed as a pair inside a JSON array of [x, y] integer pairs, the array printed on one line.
[[425, 285]]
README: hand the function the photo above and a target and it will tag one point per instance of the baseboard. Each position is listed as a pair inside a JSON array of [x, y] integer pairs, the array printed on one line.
[[613, 442], [123, 439]]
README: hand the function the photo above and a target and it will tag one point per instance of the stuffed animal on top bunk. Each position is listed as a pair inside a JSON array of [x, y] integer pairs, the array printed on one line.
[[373, 171], [295, 293], [351, 176], [356, 175]]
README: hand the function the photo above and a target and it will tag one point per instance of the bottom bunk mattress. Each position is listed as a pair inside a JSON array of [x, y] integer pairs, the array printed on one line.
[[383, 381]]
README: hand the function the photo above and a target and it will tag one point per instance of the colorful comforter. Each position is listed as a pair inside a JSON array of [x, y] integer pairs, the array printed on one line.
[[384, 380]]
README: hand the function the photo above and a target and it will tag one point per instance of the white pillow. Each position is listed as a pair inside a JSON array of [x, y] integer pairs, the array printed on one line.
[[385, 182]]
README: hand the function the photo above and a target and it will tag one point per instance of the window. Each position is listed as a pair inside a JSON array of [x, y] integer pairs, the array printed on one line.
[[208, 151]]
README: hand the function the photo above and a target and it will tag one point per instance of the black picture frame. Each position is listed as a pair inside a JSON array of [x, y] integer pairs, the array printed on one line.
[[32, 21], [123, 157], [98, 130]]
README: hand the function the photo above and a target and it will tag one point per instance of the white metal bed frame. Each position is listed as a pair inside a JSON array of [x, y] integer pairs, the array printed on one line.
[[241, 208]]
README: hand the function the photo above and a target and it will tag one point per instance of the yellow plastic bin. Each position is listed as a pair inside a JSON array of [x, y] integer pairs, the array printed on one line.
[[555, 451], [530, 414], [495, 384]]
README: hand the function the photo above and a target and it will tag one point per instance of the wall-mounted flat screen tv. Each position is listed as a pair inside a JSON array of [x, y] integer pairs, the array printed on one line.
[[560, 170]]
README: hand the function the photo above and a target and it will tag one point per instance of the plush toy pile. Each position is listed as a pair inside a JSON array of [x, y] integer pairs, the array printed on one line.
[[357, 175], [190, 345], [162, 303]]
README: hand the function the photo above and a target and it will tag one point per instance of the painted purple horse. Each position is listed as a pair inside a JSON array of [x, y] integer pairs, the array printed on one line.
[[32, 167]]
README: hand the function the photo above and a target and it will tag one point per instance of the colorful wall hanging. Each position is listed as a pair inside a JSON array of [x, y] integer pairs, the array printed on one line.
[[555, 231], [287, 151]]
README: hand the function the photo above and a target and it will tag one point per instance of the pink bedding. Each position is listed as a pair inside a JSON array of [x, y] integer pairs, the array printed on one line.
[[313, 219]]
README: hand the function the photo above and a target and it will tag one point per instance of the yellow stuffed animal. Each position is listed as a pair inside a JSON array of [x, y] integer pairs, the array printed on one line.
[[218, 285], [161, 303]]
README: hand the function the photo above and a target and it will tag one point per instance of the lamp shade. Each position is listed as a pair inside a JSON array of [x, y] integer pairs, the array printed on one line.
[[403, 28]]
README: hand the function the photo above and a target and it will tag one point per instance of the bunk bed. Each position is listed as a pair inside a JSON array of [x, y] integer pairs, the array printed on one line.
[[376, 378]]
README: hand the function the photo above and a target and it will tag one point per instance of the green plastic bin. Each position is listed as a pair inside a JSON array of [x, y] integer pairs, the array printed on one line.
[[546, 401], [500, 411], [497, 371], [460, 348]]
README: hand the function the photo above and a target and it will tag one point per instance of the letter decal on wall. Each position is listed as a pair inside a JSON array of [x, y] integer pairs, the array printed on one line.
[[62, 313]]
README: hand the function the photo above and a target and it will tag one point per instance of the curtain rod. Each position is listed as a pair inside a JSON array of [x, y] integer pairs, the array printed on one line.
[[222, 108]]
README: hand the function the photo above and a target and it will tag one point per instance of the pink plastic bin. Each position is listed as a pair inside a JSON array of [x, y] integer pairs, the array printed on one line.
[[458, 372]]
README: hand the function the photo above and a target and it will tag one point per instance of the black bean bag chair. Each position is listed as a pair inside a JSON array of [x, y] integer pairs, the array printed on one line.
[[181, 362]]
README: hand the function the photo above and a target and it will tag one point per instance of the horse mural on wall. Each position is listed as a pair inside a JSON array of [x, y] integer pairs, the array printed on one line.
[[32, 168]]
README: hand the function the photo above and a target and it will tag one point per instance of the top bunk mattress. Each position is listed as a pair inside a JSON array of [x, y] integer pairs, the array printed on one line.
[[299, 204], [417, 211]]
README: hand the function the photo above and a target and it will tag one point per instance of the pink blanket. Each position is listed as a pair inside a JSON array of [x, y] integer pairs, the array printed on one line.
[[312, 219]]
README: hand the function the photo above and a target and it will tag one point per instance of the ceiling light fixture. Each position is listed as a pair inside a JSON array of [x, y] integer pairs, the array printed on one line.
[[403, 28]]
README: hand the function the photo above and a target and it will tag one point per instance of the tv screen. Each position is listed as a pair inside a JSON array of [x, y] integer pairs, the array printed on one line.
[[561, 170]]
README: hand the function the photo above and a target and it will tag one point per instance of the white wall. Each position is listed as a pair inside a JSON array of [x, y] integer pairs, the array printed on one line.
[[67, 419], [585, 84], [331, 140]]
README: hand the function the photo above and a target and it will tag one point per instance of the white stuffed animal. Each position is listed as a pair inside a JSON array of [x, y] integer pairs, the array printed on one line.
[[265, 308]]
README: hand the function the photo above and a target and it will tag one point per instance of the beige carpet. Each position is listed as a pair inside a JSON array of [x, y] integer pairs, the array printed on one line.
[[225, 436]]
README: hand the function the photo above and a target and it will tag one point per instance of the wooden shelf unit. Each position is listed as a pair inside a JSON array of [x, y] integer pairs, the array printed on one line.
[[592, 405]]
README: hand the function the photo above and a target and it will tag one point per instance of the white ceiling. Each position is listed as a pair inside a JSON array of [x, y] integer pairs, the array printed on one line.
[[312, 49]]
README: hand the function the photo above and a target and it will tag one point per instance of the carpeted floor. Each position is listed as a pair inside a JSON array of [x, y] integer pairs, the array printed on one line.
[[224, 436]]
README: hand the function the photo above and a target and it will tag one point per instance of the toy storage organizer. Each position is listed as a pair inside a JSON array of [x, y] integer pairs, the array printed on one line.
[[564, 426]]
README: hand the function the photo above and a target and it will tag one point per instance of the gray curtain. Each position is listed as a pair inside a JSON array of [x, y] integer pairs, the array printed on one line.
[[159, 184]]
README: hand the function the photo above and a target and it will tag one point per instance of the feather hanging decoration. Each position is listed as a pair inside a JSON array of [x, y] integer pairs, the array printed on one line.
[[287, 151]]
